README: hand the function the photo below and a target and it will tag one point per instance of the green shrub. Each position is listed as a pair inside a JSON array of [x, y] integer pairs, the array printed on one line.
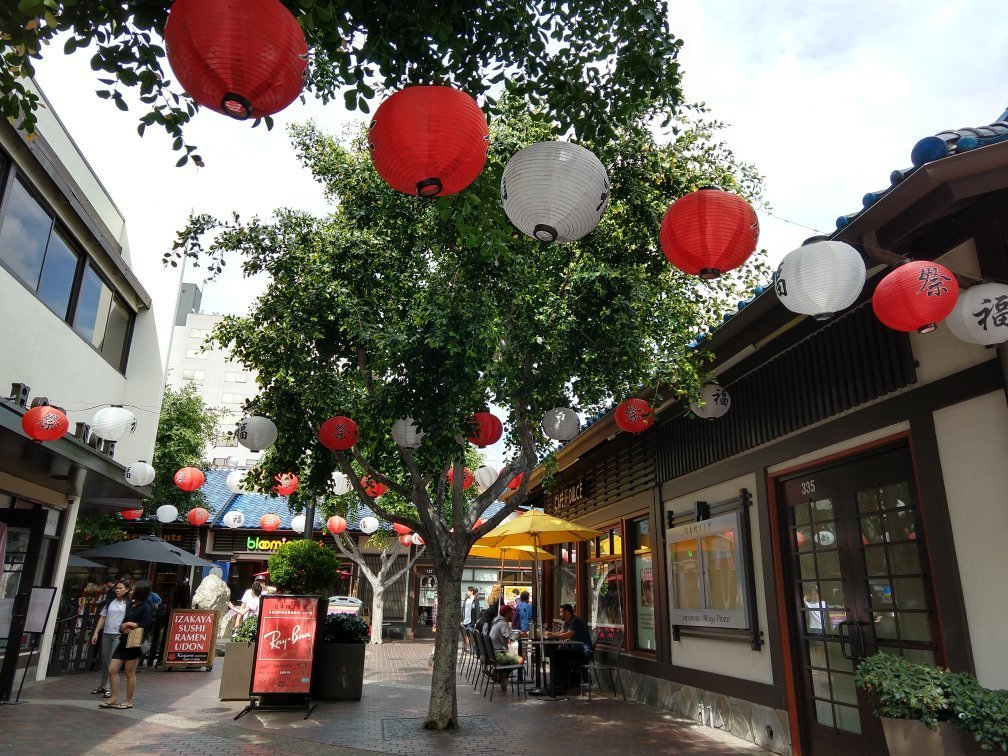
[[979, 711], [246, 631], [345, 628], [303, 567]]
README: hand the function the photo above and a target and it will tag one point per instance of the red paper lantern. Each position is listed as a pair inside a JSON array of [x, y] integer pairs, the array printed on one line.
[[339, 433], [245, 60], [336, 525], [489, 429], [516, 481], [269, 522], [916, 296], [467, 477], [708, 232], [479, 521], [406, 540], [373, 488], [287, 483], [197, 516], [429, 141], [131, 514], [189, 478], [44, 423], [401, 529], [634, 415]]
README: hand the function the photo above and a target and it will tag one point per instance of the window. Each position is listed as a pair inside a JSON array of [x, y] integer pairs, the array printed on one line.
[[194, 375], [235, 377], [565, 581], [232, 398], [605, 576], [199, 333]]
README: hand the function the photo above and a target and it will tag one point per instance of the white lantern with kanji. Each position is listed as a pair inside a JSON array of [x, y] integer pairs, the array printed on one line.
[[139, 474], [485, 476], [561, 424], [234, 519], [980, 315], [714, 402], [368, 525], [257, 433], [113, 423], [406, 433], [820, 278]]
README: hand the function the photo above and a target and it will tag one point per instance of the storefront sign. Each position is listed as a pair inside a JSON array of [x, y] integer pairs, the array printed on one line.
[[191, 636], [254, 543], [566, 497], [285, 645]]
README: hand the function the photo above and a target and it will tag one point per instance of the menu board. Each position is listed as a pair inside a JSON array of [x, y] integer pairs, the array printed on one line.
[[191, 638], [285, 645]]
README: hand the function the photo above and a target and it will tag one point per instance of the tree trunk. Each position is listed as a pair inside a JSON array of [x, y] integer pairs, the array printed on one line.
[[443, 711], [377, 612]]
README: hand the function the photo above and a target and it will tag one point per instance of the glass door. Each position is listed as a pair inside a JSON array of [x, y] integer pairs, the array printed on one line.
[[22, 531], [859, 585], [426, 598]]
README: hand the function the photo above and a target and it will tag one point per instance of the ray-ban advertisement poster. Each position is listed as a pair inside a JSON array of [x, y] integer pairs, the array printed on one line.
[[285, 645]]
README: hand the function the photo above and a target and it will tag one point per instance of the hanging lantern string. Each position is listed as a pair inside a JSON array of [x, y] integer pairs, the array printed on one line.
[[152, 410]]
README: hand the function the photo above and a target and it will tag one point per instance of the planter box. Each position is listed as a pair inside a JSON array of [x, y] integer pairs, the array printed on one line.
[[236, 675], [338, 673], [908, 737]]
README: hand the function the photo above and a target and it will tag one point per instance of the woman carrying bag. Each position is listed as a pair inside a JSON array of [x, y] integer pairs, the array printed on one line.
[[107, 631], [127, 652]]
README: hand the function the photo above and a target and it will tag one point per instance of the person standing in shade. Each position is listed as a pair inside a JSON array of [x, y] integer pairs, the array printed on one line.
[[125, 657], [107, 630], [470, 608], [523, 612]]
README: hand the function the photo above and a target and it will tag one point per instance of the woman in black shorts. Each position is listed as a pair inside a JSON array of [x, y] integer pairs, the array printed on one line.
[[138, 615]]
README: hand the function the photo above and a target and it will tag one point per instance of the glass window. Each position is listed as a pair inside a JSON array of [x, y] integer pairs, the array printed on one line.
[[234, 378], [93, 304], [24, 235], [113, 346], [643, 572], [605, 575], [58, 272], [195, 354]]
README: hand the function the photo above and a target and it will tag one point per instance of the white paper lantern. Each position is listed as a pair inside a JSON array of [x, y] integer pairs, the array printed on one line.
[[561, 424], [298, 523], [406, 433], [417, 540], [825, 538], [340, 484], [167, 513], [485, 476], [368, 525], [236, 482], [980, 315], [820, 278], [257, 433], [234, 519], [113, 423], [716, 402], [139, 474], [555, 191]]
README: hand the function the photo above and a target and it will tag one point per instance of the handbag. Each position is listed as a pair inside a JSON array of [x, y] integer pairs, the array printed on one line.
[[135, 638]]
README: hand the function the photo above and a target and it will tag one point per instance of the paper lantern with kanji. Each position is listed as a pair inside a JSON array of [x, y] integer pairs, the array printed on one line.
[[916, 296], [554, 191], [234, 519], [113, 423], [44, 423], [189, 478], [467, 477], [980, 315], [338, 433], [714, 402], [820, 278], [561, 424], [485, 477], [417, 540], [708, 232], [336, 525], [406, 540], [429, 141], [139, 474], [131, 514], [407, 434], [243, 59], [256, 433], [287, 483], [634, 415], [401, 529], [197, 516], [487, 429], [373, 488], [269, 522], [516, 481], [368, 525]]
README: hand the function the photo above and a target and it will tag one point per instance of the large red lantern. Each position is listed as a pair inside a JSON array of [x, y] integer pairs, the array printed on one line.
[[467, 477], [243, 59], [401, 529], [429, 141], [131, 514], [44, 423], [916, 296], [269, 522], [339, 433], [515, 483], [287, 483], [488, 429], [189, 478], [634, 415], [336, 525], [373, 488], [709, 232], [197, 516]]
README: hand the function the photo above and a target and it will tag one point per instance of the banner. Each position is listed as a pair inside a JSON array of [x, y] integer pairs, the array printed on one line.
[[285, 645], [191, 637]]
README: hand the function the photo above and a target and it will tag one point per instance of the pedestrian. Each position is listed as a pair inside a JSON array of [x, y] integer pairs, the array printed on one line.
[[126, 655], [434, 613], [523, 612], [111, 616], [470, 608], [249, 604]]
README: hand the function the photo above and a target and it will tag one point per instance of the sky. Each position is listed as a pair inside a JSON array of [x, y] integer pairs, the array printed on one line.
[[824, 98]]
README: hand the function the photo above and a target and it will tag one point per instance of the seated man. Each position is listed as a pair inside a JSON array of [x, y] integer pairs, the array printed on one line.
[[501, 634], [569, 658]]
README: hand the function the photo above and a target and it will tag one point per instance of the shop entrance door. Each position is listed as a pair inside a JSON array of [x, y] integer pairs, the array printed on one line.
[[426, 602], [23, 530], [857, 570]]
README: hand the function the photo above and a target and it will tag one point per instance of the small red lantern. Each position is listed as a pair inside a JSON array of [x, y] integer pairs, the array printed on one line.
[[44, 423], [269, 522], [516, 481], [708, 232], [429, 141], [406, 540], [336, 525], [634, 415], [245, 60], [189, 478], [373, 488], [131, 514], [916, 296], [287, 483], [401, 529], [339, 433], [467, 477], [479, 521], [197, 516], [489, 429]]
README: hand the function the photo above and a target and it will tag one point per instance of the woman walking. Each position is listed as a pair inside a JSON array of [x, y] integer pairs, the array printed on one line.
[[107, 629], [126, 656]]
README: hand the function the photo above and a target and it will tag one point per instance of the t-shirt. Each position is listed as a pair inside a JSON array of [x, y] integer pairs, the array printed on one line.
[[581, 633], [524, 610], [251, 601], [114, 614]]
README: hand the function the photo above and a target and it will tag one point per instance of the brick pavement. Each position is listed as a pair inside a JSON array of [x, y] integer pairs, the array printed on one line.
[[178, 713]]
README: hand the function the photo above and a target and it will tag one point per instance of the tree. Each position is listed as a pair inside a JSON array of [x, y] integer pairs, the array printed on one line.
[[592, 64], [385, 309]]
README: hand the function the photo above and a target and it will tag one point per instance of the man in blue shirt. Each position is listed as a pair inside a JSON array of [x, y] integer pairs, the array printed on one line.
[[569, 658]]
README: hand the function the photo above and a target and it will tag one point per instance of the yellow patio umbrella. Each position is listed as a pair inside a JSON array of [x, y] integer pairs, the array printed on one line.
[[510, 553]]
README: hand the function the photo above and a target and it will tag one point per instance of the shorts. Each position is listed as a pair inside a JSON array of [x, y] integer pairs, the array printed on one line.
[[123, 653]]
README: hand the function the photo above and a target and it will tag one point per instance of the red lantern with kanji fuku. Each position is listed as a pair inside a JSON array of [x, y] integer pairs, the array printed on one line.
[[131, 514], [197, 516], [245, 60], [336, 525], [429, 141], [339, 433], [44, 423], [373, 488], [488, 429], [269, 522], [467, 477], [401, 529], [916, 296], [634, 415], [516, 481], [287, 483], [189, 478], [708, 232]]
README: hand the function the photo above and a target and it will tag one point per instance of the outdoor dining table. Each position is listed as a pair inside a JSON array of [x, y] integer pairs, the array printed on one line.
[[547, 647]]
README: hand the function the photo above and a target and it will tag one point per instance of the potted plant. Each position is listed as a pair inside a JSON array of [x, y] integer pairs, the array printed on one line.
[[338, 674], [303, 567], [238, 655]]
